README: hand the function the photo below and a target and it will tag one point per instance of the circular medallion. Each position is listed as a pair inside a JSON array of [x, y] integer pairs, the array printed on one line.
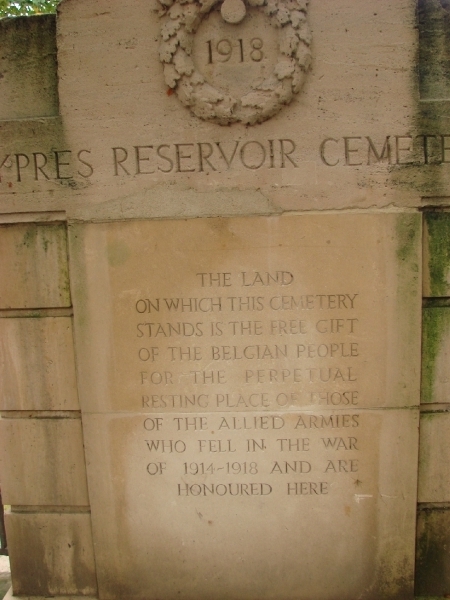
[[235, 48]]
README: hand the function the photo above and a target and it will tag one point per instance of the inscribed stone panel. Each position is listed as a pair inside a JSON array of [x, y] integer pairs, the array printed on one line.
[[342, 142], [234, 376]]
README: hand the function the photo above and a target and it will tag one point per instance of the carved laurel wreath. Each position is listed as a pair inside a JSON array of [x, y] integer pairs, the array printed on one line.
[[181, 20]]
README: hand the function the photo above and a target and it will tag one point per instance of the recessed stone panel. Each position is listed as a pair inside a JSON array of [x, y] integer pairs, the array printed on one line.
[[233, 379], [51, 554], [436, 254], [37, 364], [434, 458], [42, 462], [436, 355], [433, 552], [33, 266]]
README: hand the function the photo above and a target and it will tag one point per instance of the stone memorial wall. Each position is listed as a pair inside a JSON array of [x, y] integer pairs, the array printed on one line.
[[224, 284]]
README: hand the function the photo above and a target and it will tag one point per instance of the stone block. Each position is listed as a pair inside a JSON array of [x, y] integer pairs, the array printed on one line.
[[37, 364], [434, 457], [33, 266], [433, 552], [29, 85], [436, 355], [356, 148], [250, 392], [51, 554], [436, 254], [42, 462]]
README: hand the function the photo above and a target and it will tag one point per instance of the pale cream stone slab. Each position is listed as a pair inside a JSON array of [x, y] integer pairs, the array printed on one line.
[[162, 531], [307, 311], [434, 458], [233, 375], [42, 462], [33, 266], [51, 554], [37, 364], [119, 106]]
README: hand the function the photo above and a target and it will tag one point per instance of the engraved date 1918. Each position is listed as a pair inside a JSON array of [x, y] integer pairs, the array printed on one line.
[[241, 50]]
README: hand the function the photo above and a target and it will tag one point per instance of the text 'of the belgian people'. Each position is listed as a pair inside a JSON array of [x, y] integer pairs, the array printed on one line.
[[247, 341]]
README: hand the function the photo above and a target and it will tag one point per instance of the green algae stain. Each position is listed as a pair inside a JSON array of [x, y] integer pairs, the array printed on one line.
[[435, 326], [408, 231], [429, 558], [45, 242], [408, 236], [77, 252], [438, 228], [29, 237], [63, 261]]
